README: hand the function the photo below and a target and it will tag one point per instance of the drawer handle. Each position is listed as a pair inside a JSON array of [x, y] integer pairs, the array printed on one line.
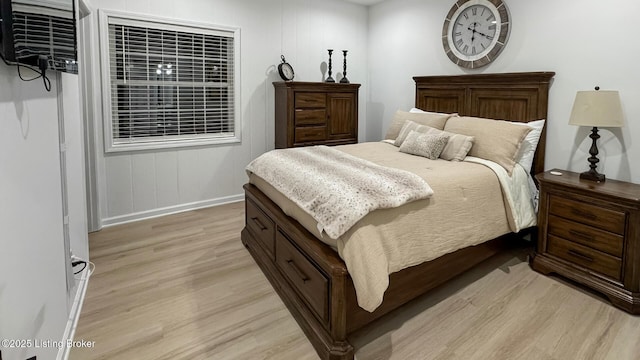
[[582, 235], [584, 214], [259, 223], [580, 255], [297, 270]]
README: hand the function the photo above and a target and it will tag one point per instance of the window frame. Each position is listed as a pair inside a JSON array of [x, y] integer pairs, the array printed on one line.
[[164, 142]]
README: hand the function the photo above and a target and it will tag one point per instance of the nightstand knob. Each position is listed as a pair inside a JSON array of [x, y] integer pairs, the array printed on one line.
[[580, 255], [584, 214], [582, 235]]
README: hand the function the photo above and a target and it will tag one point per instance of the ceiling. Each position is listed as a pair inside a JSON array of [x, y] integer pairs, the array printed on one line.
[[364, 2]]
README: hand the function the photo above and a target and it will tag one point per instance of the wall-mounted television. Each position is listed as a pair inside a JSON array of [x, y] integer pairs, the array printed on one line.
[[33, 29]]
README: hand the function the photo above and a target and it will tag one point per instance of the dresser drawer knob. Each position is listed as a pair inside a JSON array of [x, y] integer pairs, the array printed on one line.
[[580, 255], [584, 214], [582, 235], [259, 223], [297, 270]]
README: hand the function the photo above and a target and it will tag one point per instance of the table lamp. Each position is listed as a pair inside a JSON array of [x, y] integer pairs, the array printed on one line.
[[596, 109]]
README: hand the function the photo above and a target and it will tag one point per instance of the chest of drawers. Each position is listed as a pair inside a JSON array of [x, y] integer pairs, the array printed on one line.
[[308, 113], [590, 232]]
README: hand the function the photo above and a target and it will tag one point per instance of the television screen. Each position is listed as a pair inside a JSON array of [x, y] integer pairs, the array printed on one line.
[[31, 29]]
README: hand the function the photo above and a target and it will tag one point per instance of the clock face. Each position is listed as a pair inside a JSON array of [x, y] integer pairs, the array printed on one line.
[[475, 32], [287, 70]]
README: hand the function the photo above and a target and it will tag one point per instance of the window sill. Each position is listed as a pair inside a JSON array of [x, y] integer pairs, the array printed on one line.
[[169, 144]]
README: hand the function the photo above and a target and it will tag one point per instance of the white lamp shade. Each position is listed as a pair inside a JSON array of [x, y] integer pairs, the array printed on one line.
[[597, 108]]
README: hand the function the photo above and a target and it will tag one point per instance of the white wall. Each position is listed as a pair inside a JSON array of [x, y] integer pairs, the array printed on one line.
[[138, 184], [75, 172], [586, 43], [33, 297]]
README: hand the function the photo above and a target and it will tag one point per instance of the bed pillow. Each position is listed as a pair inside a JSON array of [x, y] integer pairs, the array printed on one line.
[[495, 140], [424, 144], [420, 111], [530, 143], [408, 127], [457, 147], [434, 120]]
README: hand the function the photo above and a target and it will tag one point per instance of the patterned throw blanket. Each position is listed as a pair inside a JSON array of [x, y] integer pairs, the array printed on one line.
[[335, 188]]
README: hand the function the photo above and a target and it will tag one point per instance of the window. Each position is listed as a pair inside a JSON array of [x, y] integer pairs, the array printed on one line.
[[169, 84]]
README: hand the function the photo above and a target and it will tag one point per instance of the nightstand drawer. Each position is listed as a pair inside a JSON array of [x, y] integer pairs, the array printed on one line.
[[586, 235], [610, 220], [591, 259], [310, 117], [310, 100]]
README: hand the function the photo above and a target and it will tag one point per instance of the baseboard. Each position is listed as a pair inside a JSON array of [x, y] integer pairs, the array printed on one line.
[[123, 219], [74, 314]]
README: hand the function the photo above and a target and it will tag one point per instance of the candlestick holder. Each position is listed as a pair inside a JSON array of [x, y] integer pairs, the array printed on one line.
[[344, 79], [329, 78]]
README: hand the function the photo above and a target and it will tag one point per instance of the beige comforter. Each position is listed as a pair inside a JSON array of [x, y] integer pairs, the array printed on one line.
[[467, 208]]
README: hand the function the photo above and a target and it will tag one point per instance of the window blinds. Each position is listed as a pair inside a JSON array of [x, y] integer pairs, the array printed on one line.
[[170, 82]]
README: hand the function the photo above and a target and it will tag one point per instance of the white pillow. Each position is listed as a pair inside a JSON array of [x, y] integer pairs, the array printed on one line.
[[420, 111], [530, 143]]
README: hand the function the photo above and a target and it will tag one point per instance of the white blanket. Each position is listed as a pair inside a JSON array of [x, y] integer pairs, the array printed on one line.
[[519, 192], [335, 188]]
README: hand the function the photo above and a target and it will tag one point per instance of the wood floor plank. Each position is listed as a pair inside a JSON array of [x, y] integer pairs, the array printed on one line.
[[183, 287]]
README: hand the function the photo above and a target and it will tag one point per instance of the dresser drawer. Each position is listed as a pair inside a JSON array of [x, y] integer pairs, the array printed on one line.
[[310, 100], [610, 220], [586, 235], [307, 134], [587, 257], [310, 117], [261, 226], [303, 275]]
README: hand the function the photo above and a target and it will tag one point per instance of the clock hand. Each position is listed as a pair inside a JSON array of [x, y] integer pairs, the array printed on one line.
[[473, 34], [476, 31]]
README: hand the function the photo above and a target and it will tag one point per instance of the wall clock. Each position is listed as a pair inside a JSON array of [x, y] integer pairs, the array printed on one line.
[[475, 31], [285, 70]]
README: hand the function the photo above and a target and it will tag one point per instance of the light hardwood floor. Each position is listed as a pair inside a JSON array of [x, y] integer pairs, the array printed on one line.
[[184, 287]]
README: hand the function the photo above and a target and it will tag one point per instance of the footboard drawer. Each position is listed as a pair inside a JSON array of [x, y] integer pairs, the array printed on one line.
[[261, 226], [304, 276]]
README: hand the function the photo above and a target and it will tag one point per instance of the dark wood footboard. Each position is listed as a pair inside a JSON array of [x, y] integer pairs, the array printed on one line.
[[314, 283], [308, 275]]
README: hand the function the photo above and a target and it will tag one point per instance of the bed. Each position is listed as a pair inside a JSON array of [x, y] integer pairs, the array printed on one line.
[[310, 276]]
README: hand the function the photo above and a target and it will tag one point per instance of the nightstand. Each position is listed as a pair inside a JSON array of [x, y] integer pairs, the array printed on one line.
[[590, 233]]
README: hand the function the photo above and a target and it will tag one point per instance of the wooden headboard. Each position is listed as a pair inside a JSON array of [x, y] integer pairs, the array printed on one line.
[[519, 97]]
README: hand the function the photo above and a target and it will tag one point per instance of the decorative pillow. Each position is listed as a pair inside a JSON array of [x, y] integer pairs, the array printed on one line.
[[407, 128], [530, 143], [495, 140], [436, 121], [457, 147], [422, 144]]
